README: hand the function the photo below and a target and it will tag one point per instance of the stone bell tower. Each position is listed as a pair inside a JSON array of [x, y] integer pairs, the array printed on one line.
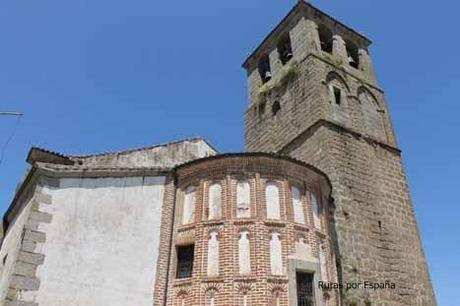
[[313, 95]]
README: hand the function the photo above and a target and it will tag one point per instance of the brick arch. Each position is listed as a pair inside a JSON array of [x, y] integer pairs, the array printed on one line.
[[245, 228], [210, 288], [244, 287], [215, 229], [301, 236], [183, 293], [277, 291], [277, 288]]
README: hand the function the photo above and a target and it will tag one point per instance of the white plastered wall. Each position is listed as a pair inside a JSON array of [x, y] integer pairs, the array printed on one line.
[[103, 242]]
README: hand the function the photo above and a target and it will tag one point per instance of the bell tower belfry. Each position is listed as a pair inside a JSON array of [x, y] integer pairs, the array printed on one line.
[[313, 95]]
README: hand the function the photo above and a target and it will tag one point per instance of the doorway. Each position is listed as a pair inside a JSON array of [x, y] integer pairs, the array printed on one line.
[[305, 295]]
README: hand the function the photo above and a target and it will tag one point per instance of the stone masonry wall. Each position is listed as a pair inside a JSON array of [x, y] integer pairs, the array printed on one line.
[[23, 283], [353, 142], [305, 99], [376, 230]]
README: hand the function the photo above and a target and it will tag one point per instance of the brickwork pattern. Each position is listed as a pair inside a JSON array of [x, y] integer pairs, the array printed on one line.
[[229, 287]]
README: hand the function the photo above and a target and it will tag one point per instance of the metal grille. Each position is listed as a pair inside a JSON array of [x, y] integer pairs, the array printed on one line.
[[305, 289], [185, 256]]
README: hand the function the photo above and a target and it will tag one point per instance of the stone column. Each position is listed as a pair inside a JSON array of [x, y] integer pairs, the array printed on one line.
[[254, 83], [339, 49], [312, 36], [366, 66], [275, 62], [299, 41]]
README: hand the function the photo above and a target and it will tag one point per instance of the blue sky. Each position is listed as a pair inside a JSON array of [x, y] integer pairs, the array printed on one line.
[[105, 75]]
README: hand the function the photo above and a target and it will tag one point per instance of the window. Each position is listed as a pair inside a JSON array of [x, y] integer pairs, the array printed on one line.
[[185, 256], [285, 49], [215, 201], [325, 38], [243, 209], [188, 212], [276, 259], [262, 108], [337, 91], [244, 254], [276, 107], [299, 215], [316, 211], [272, 198], [337, 95], [353, 54], [264, 69], [213, 254]]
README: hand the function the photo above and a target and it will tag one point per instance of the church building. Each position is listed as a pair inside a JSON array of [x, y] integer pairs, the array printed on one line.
[[318, 200]]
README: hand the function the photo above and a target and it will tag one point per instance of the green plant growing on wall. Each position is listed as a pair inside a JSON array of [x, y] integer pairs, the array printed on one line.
[[289, 71]]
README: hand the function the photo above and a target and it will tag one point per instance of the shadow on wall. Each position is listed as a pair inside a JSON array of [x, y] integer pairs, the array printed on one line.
[[115, 182]]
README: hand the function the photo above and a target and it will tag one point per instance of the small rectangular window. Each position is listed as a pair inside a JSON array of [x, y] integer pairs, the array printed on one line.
[[337, 96], [285, 49], [185, 256]]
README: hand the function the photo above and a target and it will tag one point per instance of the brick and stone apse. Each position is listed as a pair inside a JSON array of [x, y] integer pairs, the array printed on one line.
[[250, 222]]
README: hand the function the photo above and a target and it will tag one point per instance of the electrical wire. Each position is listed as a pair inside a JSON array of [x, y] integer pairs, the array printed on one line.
[[8, 140]]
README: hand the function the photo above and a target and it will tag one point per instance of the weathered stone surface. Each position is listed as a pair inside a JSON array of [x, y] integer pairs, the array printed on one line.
[[353, 143], [24, 282], [25, 269], [35, 236], [20, 303], [165, 155], [43, 198], [32, 225], [41, 216], [29, 246], [32, 258], [49, 182]]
